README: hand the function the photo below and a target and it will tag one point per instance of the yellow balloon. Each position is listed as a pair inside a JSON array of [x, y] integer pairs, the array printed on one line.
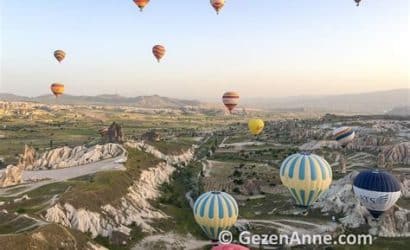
[[256, 126]]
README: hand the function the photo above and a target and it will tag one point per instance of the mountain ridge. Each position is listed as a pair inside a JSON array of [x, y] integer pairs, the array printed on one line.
[[367, 102]]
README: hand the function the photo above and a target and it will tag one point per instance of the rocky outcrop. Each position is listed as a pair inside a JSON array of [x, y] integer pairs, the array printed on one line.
[[381, 160], [171, 159], [134, 207], [28, 157], [251, 187], [151, 136], [11, 176], [398, 154], [113, 133], [340, 199], [65, 157], [342, 164], [369, 143]]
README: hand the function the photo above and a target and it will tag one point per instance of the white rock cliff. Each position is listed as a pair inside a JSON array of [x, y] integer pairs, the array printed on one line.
[[134, 206]]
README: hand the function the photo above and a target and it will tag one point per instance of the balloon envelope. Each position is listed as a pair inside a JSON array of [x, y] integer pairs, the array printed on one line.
[[159, 52], [344, 135], [141, 3], [59, 55], [377, 190], [230, 100], [306, 176], [57, 89], [215, 212], [217, 5], [256, 126], [230, 247]]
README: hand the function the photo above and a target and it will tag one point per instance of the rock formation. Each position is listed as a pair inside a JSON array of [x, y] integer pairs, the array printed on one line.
[[171, 159], [28, 157], [11, 176], [369, 142], [340, 199], [251, 187], [342, 164], [151, 136], [65, 157], [134, 207], [113, 133], [398, 154], [381, 162]]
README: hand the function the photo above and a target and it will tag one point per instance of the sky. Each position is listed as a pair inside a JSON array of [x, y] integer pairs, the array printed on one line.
[[264, 48]]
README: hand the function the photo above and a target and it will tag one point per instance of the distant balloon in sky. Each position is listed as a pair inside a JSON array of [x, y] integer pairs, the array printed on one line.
[[215, 212], [230, 100], [256, 126], [159, 52], [344, 135], [230, 247], [57, 89], [59, 55], [377, 190], [357, 2], [141, 3], [217, 5], [306, 176]]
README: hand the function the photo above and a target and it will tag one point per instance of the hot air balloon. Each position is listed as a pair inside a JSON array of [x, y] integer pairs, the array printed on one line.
[[357, 2], [159, 52], [344, 135], [59, 55], [230, 100], [306, 176], [57, 89], [230, 247], [377, 190], [215, 212], [256, 126], [141, 3], [217, 5]]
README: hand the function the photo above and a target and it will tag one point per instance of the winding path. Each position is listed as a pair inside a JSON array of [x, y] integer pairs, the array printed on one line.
[[37, 178]]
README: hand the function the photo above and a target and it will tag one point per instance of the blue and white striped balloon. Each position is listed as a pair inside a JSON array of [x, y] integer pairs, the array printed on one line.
[[378, 191], [306, 176], [215, 212]]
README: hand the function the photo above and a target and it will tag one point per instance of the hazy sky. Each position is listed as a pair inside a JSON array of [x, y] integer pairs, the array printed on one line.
[[259, 48]]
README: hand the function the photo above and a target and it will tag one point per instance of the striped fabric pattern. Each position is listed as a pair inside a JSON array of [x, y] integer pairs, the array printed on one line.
[[159, 52], [230, 100], [344, 135], [214, 212], [57, 89], [59, 55], [306, 176], [377, 190]]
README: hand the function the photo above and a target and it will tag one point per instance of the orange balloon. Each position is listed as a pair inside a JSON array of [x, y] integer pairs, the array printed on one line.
[[159, 52], [141, 3], [57, 89]]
